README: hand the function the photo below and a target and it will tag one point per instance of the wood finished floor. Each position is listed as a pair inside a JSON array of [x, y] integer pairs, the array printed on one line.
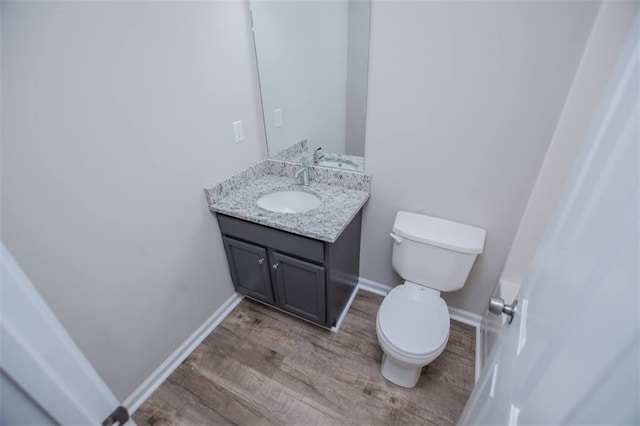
[[261, 367]]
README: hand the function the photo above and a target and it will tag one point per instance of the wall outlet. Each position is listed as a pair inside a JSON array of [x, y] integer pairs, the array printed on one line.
[[277, 114], [238, 131]]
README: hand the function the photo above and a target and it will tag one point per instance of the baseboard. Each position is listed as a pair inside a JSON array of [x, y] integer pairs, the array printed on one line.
[[336, 328], [473, 320], [459, 315], [465, 317], [374, 286], [135, 400], [479, 350]]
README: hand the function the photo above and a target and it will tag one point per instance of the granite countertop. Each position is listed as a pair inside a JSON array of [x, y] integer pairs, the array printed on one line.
[[342, 193]]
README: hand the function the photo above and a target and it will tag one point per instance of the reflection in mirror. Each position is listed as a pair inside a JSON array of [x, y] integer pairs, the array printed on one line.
[[312, 63]]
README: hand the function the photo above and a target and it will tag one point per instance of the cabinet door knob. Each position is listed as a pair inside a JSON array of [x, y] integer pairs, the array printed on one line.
[[261, 261], [275, 265]]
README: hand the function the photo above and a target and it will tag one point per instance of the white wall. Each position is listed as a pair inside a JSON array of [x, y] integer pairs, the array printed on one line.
[[601, 53], [302, 56], [464, 98], [357, 69], [114, 117]]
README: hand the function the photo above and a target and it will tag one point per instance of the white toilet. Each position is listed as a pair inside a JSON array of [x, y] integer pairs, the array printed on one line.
[[431, 255]]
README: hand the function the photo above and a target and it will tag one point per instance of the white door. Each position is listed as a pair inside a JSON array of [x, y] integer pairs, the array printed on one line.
[[491, 324], [44, 374], [571, 354]]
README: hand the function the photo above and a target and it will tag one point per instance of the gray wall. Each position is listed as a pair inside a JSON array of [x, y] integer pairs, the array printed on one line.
[[605, 43], [464, 98], [357, 67], [114, 116], [303, 71]]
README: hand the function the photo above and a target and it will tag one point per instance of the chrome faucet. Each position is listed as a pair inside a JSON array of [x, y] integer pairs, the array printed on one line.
[[317, 155], [305, 171]]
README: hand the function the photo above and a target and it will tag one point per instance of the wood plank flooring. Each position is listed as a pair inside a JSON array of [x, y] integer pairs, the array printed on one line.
[[262, 367]]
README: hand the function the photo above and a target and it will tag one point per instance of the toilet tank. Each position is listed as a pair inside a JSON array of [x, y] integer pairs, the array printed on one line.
[[434, 252]]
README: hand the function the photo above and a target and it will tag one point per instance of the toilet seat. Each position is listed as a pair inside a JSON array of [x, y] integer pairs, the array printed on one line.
[[414, 321]]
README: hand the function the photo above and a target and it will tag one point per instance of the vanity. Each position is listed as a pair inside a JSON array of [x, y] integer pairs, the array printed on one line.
[[290, 245], [304, 263]]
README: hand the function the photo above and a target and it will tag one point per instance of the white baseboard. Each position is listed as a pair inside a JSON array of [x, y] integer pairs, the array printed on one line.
[[459, 315], [465, 317], [473, 320], [336, 328], [135, 400], [479, 350], [374, 286]]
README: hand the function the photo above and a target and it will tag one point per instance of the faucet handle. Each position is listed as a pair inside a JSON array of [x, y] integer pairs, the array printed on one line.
[[317, 155]]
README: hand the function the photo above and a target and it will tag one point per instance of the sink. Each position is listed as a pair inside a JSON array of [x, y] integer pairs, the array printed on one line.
[[289, 201], [339, 164]]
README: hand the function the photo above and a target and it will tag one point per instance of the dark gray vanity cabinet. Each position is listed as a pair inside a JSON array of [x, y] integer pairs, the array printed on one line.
[[308, 278], [250, 271], [300, 286]]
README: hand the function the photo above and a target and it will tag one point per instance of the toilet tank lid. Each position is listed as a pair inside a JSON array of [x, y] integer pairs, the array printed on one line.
[[439, 232]]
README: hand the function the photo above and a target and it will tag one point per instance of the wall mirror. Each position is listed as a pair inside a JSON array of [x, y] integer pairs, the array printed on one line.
[[313, 59]]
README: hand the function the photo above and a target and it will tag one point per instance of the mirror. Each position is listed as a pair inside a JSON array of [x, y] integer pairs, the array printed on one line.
[[313, 59]]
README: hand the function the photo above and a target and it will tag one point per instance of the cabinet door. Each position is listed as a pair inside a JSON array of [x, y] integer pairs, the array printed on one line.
[[249, 269], [300, 287]]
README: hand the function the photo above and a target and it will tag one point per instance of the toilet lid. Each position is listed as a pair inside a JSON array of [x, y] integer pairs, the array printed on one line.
[[413, 320]]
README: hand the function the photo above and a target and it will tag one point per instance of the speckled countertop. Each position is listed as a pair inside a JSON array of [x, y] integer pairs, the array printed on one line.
[[342, 193]]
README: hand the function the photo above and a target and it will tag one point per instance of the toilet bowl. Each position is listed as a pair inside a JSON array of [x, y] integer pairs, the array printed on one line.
[[413, 329], [412, 323]]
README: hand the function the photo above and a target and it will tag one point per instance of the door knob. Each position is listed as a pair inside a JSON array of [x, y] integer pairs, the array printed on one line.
[[261, 261], [498, 306], [275, 265]]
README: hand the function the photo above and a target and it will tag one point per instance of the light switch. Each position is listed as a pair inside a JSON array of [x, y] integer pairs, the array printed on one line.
[[238, 131], [277, 113]]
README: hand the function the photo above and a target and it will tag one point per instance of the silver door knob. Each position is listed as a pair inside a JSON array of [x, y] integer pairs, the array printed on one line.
[[498, 306], [261, 261], [275, 265]]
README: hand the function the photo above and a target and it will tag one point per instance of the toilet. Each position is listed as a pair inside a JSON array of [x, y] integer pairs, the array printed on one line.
[[431, 255]]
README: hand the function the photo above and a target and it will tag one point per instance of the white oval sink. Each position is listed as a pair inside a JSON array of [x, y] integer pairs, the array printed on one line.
[[289, 201]]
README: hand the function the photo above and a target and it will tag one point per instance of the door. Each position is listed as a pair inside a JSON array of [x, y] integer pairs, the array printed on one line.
[[249, 269], [571, 354], [43, 372], [301, 287]]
